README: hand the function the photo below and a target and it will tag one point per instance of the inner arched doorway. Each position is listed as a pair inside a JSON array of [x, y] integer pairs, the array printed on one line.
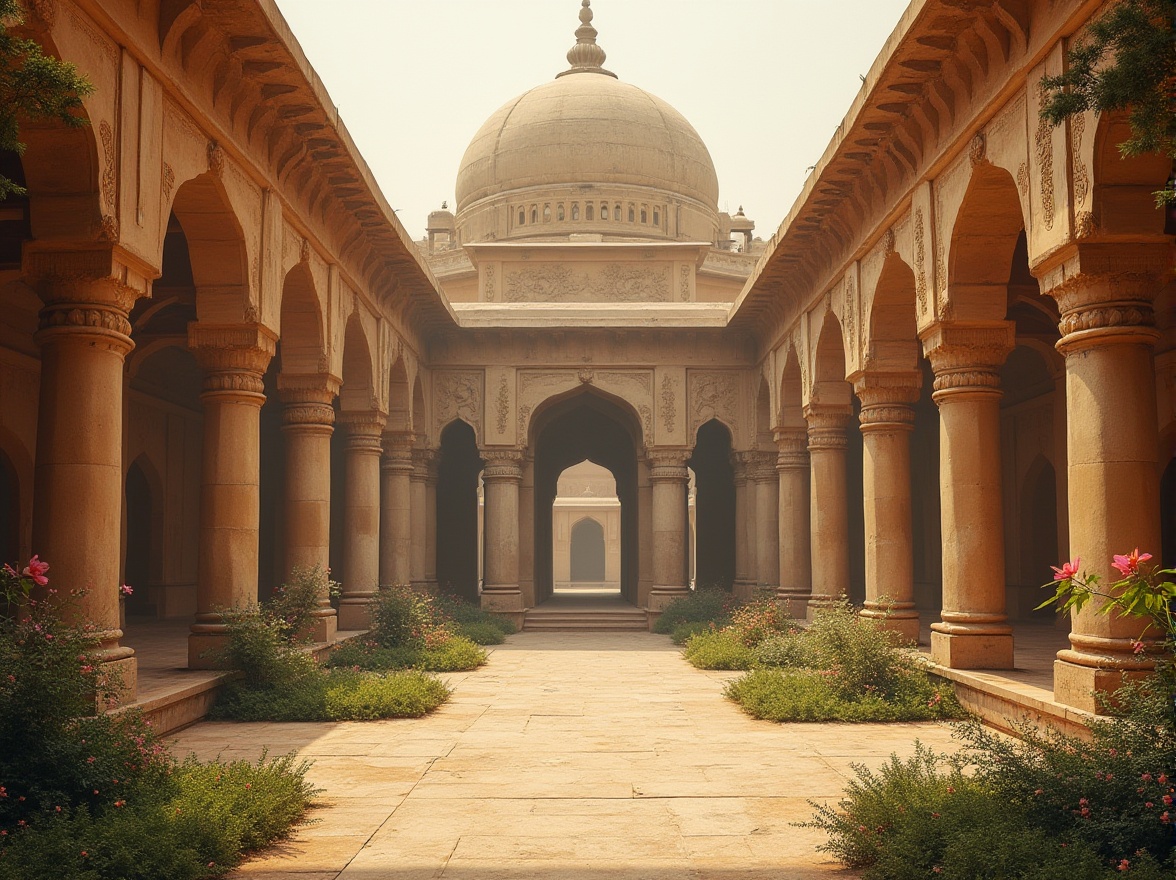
[[585, 427]]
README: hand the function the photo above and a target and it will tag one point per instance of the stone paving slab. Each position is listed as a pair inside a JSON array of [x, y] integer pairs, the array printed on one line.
[[571, 756]]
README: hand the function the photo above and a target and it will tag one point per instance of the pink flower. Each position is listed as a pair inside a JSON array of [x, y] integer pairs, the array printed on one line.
[[1068, 570], [1138, 647], [1129, 564], [36, 570], [1124, 865], [126, 589]]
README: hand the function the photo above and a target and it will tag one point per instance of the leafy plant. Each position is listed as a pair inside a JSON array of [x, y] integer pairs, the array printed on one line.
[[1126, 60], [719, 649], [705, 605]]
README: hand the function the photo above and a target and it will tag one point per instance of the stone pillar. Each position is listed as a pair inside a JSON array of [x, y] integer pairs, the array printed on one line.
[[500, 479], [419, 516], [84, 338], [396, 510], [671, 481], [361, 521], [828, 512], [432, 466], [792, 472], [744, 578], [307, 422], [234, 359], [767, 521], [887, 421], [974, 632], [1108, 336]]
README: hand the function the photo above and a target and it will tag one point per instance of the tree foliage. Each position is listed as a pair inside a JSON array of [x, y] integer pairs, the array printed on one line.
[[1126, 61], [32, 85]]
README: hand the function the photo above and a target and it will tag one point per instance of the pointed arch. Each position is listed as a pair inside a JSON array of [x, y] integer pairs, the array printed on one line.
[[983, 243], [216, 250], [829, 385], [300, 329], [399, 397], [358, 393], [1124, 186], [790, 414], [893, 337], [420, 421]]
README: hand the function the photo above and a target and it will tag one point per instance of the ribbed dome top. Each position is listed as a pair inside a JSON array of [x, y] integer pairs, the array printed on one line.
[[587, 129]]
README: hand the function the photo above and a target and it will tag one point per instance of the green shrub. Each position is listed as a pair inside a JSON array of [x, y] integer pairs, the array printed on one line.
[[682, 632], [780, 650], [337, 695], [719, 649], [292, 605], [760, 618], [481, 633], [866, 657], [198, 824], [461, 613], [262, 648], [1042, 807], [705, 605], [455, 655], [406, 618]]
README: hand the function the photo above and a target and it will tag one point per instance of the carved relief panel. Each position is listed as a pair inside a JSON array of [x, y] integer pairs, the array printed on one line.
[[714, 394], [624, 282], [457, 394]]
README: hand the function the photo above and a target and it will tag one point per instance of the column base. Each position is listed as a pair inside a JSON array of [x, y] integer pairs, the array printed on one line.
[[505, 603], [743, 590], [125, 672], [323, 627], [817, 603], [354, 614], [661, 596], [794, 604], [972, 650], [903, 622], [1081, 686], [420, 586], [203, 648]]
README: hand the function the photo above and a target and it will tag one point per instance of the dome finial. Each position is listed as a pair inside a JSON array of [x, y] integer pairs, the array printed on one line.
[[586, 56]]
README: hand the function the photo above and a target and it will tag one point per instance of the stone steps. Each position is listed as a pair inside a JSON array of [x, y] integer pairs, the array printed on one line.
[[585, 620]]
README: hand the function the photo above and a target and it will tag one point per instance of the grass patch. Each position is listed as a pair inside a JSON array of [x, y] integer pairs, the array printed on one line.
[[334, 695], [454, 654], [481, 633]]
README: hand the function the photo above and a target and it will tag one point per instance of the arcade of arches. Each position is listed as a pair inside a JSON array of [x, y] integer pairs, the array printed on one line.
[[221, 355]]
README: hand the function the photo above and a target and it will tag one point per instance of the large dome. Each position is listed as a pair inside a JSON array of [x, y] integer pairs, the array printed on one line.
[[586, 137]]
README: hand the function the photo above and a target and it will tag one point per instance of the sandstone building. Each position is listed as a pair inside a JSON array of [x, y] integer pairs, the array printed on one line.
[[221, 354]]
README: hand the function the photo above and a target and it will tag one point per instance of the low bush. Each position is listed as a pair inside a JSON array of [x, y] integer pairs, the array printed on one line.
[[682, 632], [335, 695], [1042, 807], [406, 618], [455, 654], [458, 654], [760, 618], [96, 796], [719, 649], [703, 605], [463, 613], [481, 633]]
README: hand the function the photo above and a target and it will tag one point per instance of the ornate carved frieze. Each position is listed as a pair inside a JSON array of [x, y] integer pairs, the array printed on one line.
[[668, 464], [920, 257], [1043, 147], [502, 405], [669, 410], [457, 394], [109, 172], [502, 464], [713, 395], [609, 282]]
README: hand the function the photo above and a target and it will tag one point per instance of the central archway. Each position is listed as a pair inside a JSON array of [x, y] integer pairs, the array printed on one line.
[[585, 426]]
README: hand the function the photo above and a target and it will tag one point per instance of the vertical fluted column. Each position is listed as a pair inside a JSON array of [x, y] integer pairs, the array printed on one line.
[[84, 338], [307, 422], [1108, 337], [361, 521], [234, 359], [767, 521], [887, 421], [500, 478], [792, 471], [828, 511], [396, 510], [973, 632], [670, 480], [744, 579]]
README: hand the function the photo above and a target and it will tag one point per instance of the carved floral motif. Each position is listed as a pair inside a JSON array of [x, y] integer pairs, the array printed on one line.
[[109, 179], [614, 282], [714, 396], [1043, 141], [502, 404], [920, 264], [458, 395], [669, 412]]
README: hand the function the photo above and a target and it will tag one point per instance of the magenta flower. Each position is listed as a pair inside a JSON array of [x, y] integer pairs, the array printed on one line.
[[1068, 570], [1129, 564], [126, 589], [36, 570]]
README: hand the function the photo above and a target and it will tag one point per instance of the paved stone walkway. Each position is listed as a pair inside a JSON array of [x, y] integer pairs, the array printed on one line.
[[569, 756]]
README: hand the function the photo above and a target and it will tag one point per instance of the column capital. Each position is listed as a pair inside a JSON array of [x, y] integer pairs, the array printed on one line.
[[364, 429], [93, 307], [424, 464], [398, 451], [502, 463], [761, 465], [791, 448], [667, 463], [307, 399], [827, 424], [887, 399], [1105, 292], [66, 271], [738, 468], [234, 357], [967, 356]]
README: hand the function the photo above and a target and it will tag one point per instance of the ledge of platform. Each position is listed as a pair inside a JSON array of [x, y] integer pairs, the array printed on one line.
[[185, 696], [1001, 702]]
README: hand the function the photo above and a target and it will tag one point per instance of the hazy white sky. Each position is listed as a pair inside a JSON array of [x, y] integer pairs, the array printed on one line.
[[765, 82]]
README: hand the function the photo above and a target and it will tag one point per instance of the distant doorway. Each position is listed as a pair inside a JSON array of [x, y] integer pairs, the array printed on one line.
[[586, 530], [587, 552]]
